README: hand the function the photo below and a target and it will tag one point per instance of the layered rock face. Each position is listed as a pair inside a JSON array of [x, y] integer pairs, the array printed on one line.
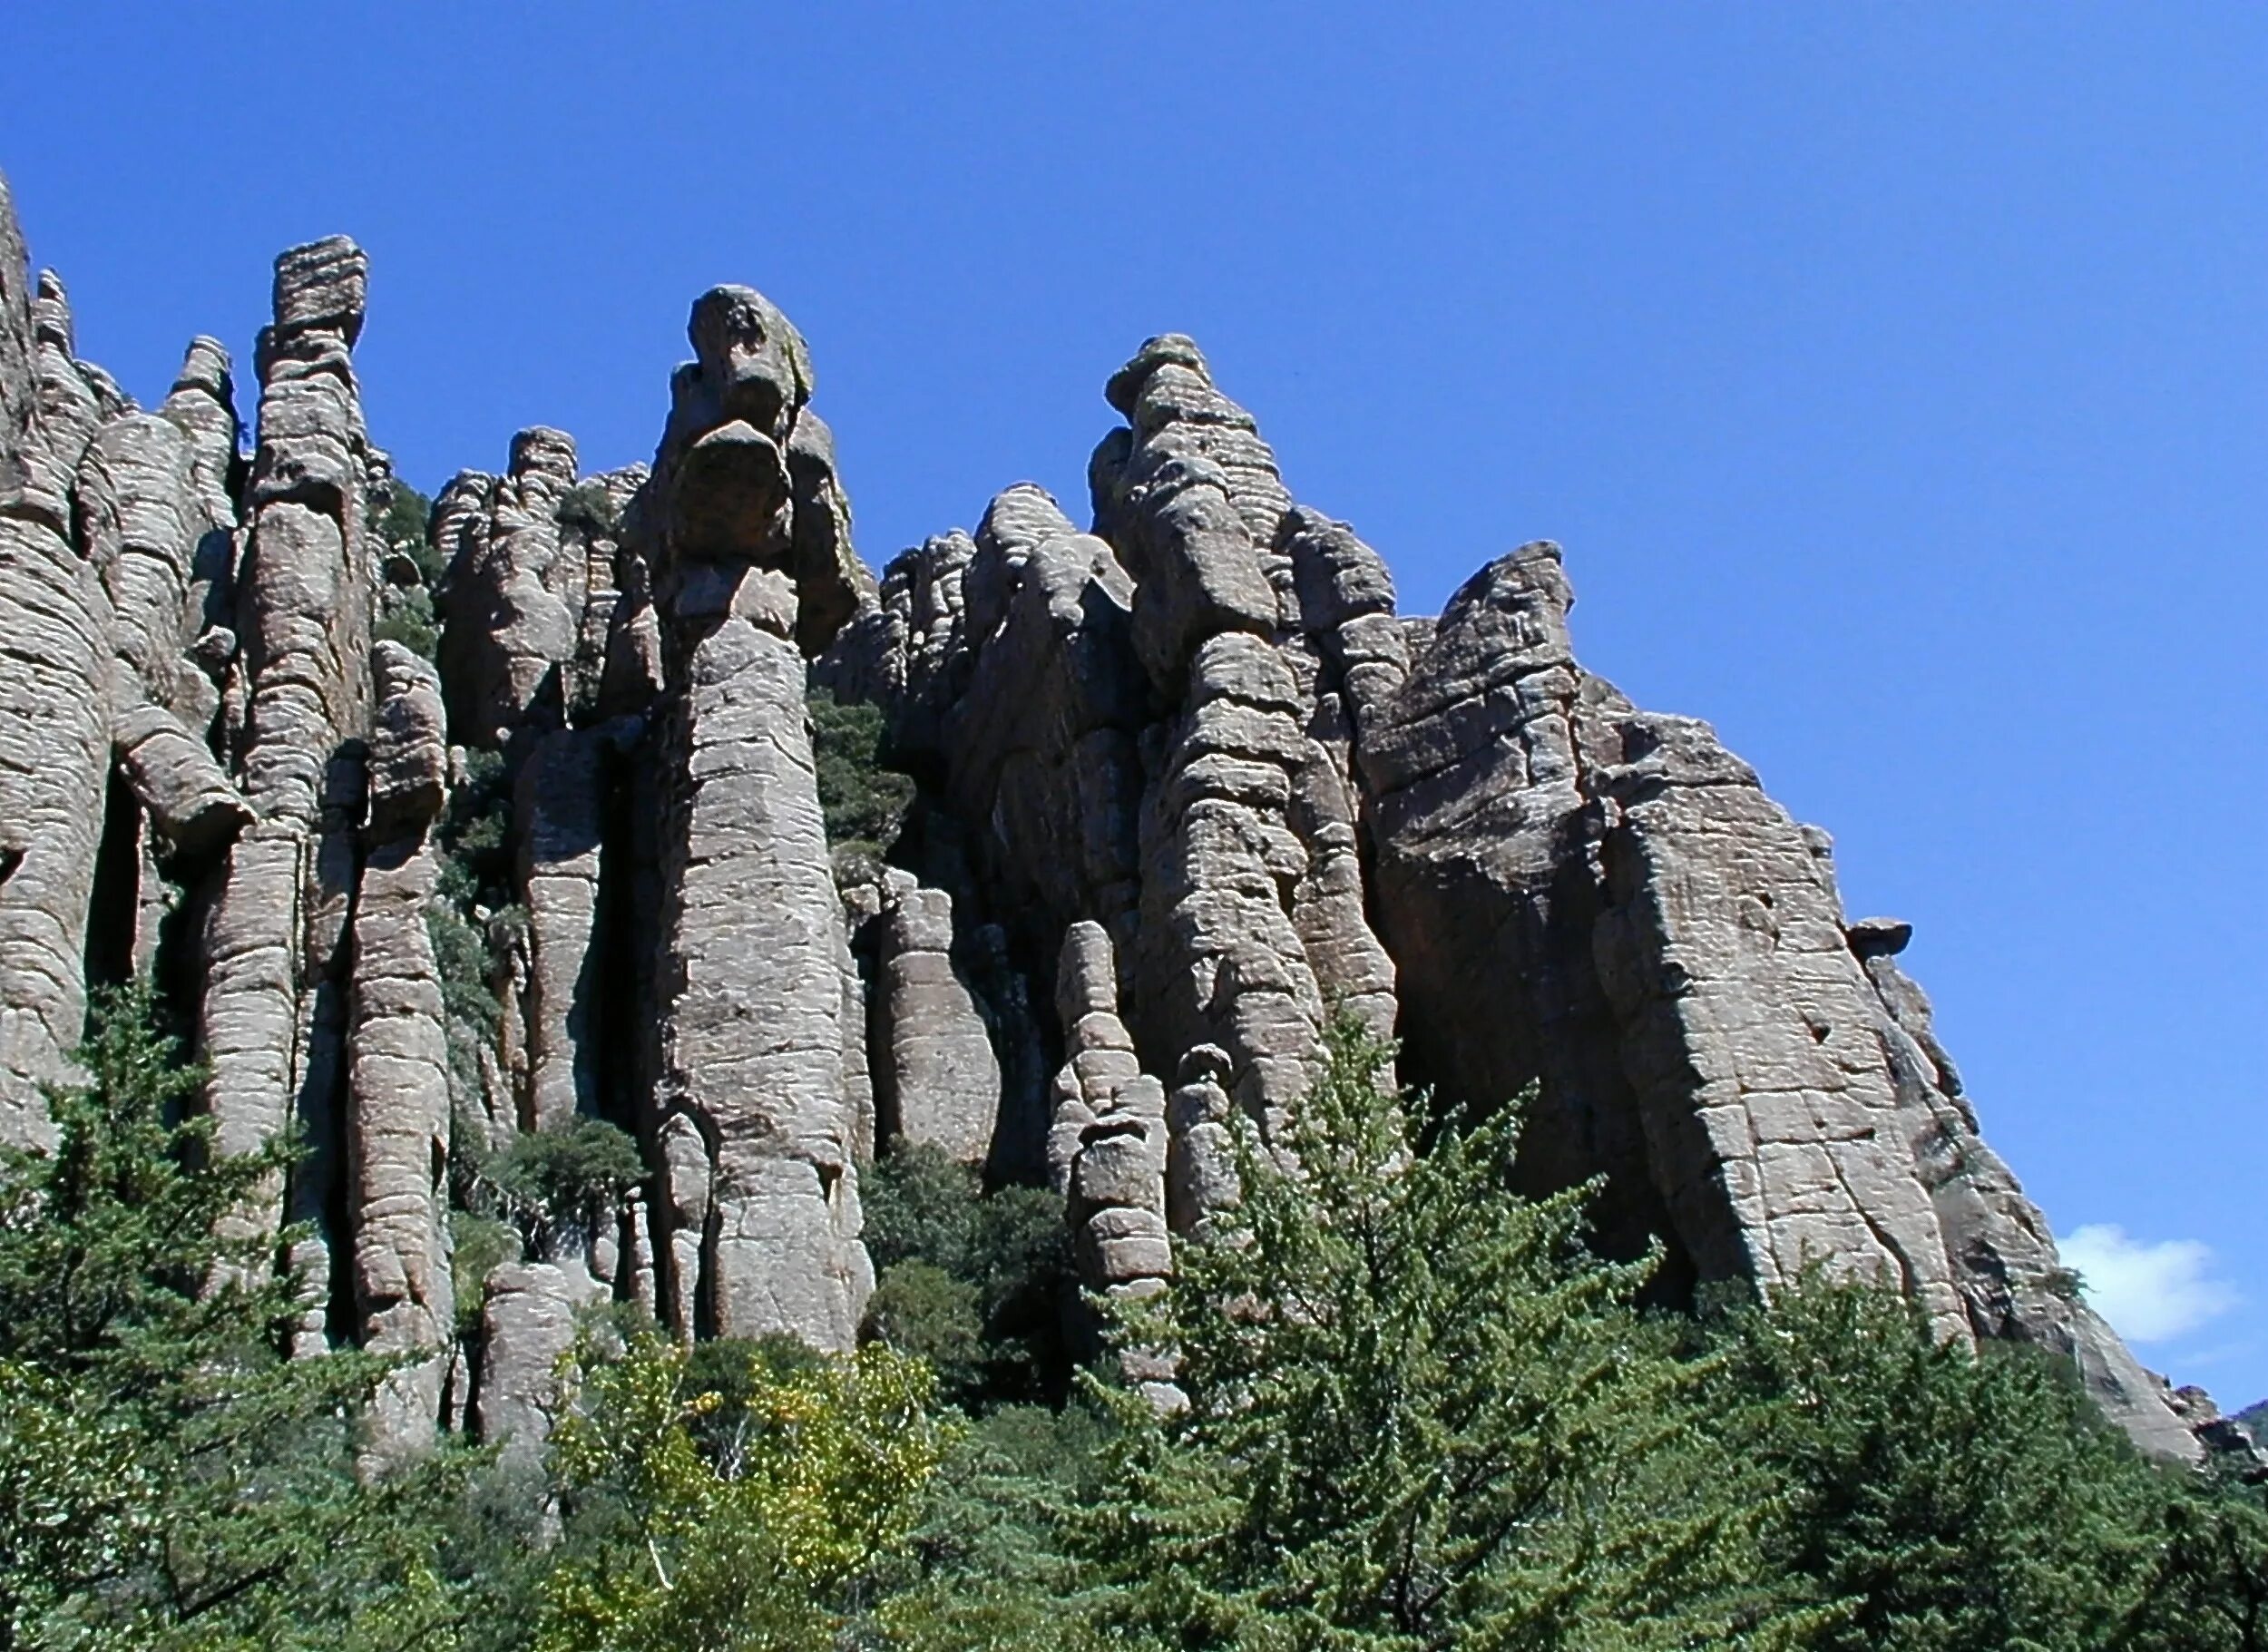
[[1186, 787]]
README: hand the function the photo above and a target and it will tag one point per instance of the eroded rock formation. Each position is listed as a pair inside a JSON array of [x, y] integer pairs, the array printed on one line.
[[1186, 787]]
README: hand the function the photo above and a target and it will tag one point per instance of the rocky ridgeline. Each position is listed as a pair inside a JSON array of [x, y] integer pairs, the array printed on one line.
[[1187, 786]]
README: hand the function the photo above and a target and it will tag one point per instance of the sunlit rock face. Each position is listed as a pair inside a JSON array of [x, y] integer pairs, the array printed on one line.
[[1186, 787]]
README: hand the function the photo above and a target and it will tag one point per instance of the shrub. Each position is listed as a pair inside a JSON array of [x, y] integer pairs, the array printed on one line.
[[952, 1256], [478, 1246], [403, 522], [921, 1310], [671, 1545], [863, 799], [589, 506], [406, 617], [555, 1184]]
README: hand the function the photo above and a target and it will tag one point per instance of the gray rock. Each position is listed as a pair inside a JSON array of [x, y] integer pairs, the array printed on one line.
[[1872, 938], [1187, 498], [937, 1080], [751, 940], [273, 1018], [1769, 1110], [512, 612], [1195, 758], [527, 1327], [55, 695], [558, 812], [397, 1107]]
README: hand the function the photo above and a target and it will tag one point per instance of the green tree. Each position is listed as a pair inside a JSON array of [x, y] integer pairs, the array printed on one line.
[[2208, 1591], [1421, 1414], [589, 508], [988, 1565], [862, 800], [976, 1283], [1932, 1498], [564, 1182], [403, 524], [399, 521], [165, 1479], [682, 1537]]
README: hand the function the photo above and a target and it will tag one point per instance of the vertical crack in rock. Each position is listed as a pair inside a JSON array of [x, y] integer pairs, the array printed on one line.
[[559, 806], [1488, 886]]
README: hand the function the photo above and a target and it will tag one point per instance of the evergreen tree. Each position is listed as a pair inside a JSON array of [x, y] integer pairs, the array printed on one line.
[[165, 1479], [2208, 1591], [988, 1565], [1933, 1498], [973, 1283], [1421, 1414]]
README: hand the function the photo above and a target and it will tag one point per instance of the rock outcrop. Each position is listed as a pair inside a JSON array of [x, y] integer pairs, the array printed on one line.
[[936, 1077], [750, 1091], [397, 1096], [1672, 968], [1186, 786]]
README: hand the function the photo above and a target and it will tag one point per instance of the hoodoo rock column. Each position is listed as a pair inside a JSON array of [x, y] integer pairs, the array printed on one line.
[[752, 1090]]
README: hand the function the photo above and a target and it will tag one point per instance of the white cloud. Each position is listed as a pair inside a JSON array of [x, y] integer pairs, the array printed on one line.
[[2148, 1292]]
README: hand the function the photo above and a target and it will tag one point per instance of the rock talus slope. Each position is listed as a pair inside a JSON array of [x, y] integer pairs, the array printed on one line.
[[1185, 786]]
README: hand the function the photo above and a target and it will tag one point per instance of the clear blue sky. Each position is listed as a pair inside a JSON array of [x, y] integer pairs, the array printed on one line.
[[1896, 377]]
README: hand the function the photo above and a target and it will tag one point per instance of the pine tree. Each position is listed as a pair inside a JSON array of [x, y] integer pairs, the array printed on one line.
[[1421, 1414], [1935, 1499], [165, 1479], [2208, 1591]]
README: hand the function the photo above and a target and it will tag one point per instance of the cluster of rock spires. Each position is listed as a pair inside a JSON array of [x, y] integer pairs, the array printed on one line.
[[1188, 786]]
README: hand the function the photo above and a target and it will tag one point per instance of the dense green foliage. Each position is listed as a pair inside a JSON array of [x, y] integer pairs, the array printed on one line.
[[165, 1479], [1421, 1414], [406, 605], [862, 798], [1935, 1498], [473, 924], [734, 1516], [973, 1283], [559, 1184], [589, 508]]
